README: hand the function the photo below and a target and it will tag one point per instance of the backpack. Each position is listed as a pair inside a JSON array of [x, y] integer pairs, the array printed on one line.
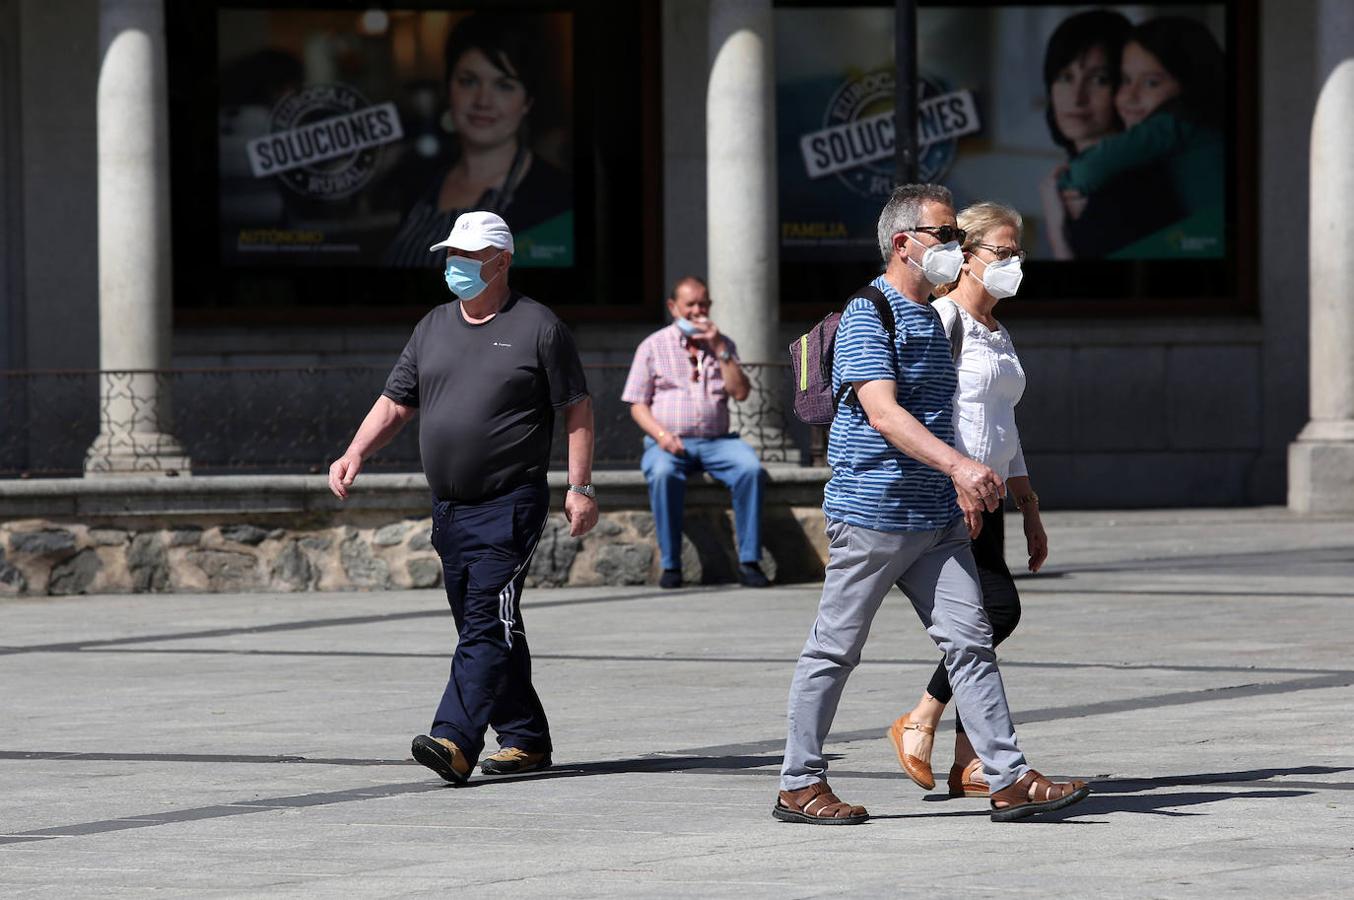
[[811, 361], [811, 358]]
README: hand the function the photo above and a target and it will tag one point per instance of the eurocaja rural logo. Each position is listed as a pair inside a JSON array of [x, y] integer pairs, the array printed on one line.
[[858, 143], [324, 141]]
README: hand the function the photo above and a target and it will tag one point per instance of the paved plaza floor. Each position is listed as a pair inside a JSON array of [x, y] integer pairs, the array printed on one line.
[[1197, 665]]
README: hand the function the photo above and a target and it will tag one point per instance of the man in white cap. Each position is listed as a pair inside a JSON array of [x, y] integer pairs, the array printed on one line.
[[487, 373]]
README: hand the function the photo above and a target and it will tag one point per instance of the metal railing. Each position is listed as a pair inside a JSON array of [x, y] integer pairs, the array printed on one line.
[[298, 419]]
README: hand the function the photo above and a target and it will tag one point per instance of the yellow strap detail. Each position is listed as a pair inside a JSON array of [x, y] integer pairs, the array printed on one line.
[[803, 362]]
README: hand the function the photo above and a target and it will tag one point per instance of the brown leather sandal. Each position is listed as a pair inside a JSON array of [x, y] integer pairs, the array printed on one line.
[[1032, 794], [918, 769], [817, 805], [968, 781]]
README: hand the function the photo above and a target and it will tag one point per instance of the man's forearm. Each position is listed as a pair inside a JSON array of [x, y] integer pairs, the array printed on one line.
[[901, 429], [379, 428], [735, 380], [644, 418], [578, 423]]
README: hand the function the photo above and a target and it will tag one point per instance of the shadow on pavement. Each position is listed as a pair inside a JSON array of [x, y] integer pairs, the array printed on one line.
[[641, 764]]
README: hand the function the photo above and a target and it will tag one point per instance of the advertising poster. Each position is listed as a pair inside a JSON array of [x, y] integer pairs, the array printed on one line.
[[1103, 126], [351, 138]]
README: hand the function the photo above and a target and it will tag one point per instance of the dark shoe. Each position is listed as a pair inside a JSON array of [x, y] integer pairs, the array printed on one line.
[[750, 575], [443, 757], [817, 805], [671, 578], [514, 761], [1033, 794]]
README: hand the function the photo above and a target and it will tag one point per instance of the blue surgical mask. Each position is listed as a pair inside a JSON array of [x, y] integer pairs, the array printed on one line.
[[686, 326], [463, 276]]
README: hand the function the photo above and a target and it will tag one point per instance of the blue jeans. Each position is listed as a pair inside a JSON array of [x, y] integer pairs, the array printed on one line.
[[729, 460]]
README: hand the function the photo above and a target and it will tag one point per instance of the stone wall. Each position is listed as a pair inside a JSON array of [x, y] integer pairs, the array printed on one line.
[[283, 534]]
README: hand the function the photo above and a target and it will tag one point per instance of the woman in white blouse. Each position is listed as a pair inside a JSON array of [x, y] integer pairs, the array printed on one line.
[[991, 382]]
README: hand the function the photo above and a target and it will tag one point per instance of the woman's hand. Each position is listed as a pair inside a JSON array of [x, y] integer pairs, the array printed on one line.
[[1074, 202], [1051, 198], [1055, 213], [1036, 541]]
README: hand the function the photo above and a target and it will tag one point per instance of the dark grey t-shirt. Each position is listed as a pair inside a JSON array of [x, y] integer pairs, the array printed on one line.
[[486, 395]]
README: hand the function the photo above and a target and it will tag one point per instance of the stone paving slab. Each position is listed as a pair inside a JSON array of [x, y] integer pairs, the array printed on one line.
[[1195, 663]]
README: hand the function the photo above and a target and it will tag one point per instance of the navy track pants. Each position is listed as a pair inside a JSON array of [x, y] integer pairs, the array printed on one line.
[[485, 549]]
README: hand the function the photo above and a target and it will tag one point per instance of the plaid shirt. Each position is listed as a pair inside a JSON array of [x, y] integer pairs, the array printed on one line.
[[687, 398]]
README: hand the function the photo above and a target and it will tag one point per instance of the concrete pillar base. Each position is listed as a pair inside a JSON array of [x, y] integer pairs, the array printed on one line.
[[1321, 471], [142, 453]]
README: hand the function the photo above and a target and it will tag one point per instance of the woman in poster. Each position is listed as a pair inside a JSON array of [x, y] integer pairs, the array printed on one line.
[[1171, 101], [493, 77], [1081, 80]]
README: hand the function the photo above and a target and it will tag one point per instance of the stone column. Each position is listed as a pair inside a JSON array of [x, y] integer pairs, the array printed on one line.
[[1321, 461], [134, 245], [743, 226]]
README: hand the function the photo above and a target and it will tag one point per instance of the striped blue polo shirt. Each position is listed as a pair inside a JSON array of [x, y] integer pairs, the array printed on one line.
[[875, 485]]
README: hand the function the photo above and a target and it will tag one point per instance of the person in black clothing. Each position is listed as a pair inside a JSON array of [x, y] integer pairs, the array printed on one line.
[[487, 374], [1081, 76], [493, 80]]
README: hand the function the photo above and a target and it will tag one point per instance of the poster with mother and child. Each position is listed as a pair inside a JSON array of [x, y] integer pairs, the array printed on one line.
[[1107, 127]]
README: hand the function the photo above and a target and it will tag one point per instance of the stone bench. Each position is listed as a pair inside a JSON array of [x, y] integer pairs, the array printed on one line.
[[288, 533]]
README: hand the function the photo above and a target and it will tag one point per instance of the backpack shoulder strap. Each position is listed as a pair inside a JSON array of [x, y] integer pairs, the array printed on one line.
[[952, 319], [881, 306], [885, 311]]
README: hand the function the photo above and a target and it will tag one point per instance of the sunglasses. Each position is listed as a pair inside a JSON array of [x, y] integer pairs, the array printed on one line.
[[944, 233], [1002, 253], [695, 368]]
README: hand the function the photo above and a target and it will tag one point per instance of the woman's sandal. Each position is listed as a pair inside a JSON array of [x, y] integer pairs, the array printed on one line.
[[1032, 794], [968, 781], [918, 769], [817, 805]]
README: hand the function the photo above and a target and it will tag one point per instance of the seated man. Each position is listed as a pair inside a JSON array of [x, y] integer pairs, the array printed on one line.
[[678, 390]]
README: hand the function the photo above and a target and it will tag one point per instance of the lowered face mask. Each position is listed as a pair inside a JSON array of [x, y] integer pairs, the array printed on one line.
[[463, 276], [941, 263], [1002, 277], [686, 326]]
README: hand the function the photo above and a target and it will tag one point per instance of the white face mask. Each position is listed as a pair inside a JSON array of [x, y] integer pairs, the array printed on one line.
[[1002, 277], [940, 263]]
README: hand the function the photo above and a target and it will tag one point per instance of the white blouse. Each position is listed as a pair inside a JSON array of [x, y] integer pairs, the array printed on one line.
[[991, 383]]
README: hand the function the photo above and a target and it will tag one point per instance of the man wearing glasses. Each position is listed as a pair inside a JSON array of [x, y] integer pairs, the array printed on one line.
[[901, 506], [678, 389]]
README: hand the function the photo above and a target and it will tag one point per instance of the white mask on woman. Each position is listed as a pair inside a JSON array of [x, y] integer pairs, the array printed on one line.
[[1002, 277]]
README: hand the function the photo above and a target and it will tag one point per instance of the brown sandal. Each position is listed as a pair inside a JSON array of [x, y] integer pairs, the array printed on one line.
[[918, 769], [817, 805], [968, 781], [1032, 794]]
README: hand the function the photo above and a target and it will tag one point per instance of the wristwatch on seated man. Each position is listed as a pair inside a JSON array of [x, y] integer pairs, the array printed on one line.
[[587, 490]]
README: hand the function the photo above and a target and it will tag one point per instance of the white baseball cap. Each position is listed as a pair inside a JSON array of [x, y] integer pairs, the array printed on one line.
[[477, 230]]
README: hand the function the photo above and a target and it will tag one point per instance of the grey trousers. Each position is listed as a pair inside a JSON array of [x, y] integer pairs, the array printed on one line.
[[935, 570]]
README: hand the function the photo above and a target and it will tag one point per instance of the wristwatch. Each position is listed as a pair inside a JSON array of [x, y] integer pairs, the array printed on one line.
[[725, 355], [587, 490]]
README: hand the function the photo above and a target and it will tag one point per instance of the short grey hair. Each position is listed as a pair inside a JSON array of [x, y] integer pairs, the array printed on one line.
[[903, 211]]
